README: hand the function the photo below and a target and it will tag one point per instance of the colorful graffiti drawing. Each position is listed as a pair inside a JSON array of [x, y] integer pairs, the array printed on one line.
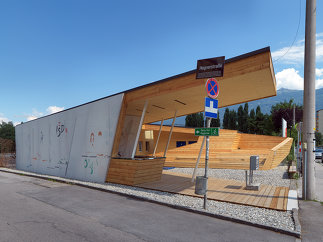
[[92, 138], [90, 162], [60, 128]]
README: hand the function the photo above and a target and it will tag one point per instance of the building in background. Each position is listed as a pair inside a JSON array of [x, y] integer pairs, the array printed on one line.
[[319, 121]]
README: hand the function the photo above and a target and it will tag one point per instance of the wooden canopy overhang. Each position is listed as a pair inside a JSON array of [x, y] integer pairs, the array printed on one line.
[[246, 78]]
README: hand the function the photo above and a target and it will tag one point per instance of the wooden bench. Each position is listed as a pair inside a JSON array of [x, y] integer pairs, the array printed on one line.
[[291, 171]]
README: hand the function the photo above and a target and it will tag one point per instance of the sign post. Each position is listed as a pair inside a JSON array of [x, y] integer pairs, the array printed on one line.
[[208, 68], [208, 122], [207, 132]]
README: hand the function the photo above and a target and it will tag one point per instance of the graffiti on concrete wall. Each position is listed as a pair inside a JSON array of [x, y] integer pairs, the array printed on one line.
[[60, 128], [92, 158], [76, 143]]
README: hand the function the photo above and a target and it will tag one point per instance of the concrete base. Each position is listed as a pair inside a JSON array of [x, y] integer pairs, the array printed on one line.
[[292, 201], [254, 187]]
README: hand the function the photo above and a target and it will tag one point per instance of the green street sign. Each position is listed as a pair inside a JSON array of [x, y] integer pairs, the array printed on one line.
[[207, 132]]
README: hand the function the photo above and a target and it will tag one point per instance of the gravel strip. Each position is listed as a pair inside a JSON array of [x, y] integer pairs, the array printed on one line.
[[275, 177], [266, 217]]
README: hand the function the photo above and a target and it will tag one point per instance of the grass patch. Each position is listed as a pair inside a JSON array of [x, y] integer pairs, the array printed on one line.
[[296, 176]]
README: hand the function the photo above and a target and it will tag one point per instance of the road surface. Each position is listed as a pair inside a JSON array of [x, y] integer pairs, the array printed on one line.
[[33, 209]]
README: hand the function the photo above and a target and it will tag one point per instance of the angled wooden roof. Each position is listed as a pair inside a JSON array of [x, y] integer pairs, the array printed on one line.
[[246, 78]]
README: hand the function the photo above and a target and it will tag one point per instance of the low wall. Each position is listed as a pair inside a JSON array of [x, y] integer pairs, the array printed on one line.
[[135, 171]]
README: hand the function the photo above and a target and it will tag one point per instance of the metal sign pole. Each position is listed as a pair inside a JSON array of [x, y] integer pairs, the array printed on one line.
[[208, 122]]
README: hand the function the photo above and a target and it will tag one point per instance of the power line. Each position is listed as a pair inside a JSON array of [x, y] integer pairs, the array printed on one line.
[[299, 21]]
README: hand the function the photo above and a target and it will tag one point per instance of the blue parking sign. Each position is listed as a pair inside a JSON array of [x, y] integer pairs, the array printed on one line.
[[211, 108]]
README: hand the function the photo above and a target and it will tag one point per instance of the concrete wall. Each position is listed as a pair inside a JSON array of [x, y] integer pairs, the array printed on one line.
[[75, 143], [128, 136]]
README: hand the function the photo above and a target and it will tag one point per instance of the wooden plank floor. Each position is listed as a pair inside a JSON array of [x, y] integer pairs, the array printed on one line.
[[232, 191]]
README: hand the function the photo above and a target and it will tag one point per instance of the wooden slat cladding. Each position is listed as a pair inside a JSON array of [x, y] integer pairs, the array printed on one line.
[[186, 94], [232, 69], [134, 171]]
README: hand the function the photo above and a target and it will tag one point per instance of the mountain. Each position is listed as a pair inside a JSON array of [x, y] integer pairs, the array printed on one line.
[[265, 104], [283, 94]]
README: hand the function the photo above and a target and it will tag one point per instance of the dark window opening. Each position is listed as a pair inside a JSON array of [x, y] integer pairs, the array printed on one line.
[[180, 143], [147, 146], [192, 142]]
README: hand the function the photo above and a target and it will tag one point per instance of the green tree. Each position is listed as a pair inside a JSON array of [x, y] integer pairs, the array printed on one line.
[[226, 118], [215, 122], [318, 139], [245, 124], [252, 122], [7, 131], [268, 125], [285, 110], [194, 120], [260, 121], [240, 118], [233, 120]]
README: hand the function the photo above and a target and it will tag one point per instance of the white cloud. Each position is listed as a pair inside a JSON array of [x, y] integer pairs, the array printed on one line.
[[319, 83], [36, 114], [290, 79], [3, 118], [319, 72], [31, 117], [295, 54], [54, 109]]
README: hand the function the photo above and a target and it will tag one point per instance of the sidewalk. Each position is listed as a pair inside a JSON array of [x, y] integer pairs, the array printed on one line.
[[319, 181], [311, 213], [311, 219]]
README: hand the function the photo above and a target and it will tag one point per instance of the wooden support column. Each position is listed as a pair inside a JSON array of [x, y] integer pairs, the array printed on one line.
[[170, 134], [160, 129], [139, 130]]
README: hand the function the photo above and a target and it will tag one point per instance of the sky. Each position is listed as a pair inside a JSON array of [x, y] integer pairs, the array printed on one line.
[[57, 54]]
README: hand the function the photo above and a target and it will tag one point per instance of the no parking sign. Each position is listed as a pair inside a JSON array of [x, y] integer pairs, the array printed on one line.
[[212, 88]]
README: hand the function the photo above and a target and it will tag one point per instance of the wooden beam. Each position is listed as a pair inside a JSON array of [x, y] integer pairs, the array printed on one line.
[[160, 129], [139, 130], [170, 134]]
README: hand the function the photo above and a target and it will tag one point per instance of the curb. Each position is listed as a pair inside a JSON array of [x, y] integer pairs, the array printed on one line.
[[296, 233], [298, 227]]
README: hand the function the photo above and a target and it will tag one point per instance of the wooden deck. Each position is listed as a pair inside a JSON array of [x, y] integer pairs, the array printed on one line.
[[232, 191]]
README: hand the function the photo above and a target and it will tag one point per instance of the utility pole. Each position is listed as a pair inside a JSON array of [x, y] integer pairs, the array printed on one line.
[[309, 101], [207, 151]]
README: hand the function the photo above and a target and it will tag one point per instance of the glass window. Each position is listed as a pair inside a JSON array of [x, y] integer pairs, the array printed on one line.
[[140, 146]]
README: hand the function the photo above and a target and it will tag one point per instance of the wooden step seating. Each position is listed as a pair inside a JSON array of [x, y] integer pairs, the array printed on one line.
[[232, 150]]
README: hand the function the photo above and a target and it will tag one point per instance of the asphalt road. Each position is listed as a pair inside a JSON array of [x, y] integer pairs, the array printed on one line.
[[33, 209]]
